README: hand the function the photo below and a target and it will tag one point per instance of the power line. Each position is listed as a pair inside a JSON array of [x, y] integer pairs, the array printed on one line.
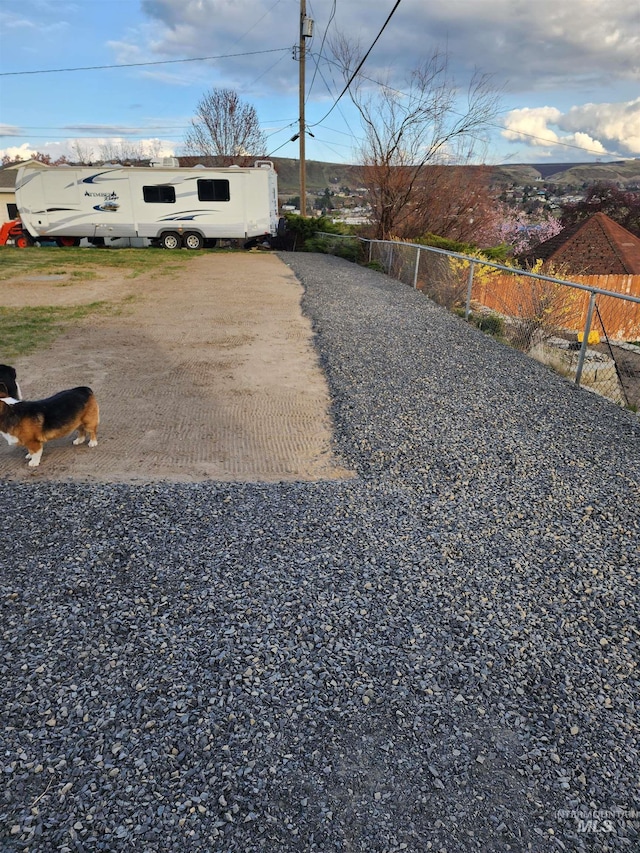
[[344, 118], [141, 64], [319, 54], [361, 63]]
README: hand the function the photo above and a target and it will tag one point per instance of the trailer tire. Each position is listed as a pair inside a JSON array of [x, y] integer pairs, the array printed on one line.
[[170, 240], [67, 241], [193, 240]]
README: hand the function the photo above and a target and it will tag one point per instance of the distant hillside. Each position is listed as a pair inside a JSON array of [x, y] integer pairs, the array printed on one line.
[[572, 174], [320, 175]]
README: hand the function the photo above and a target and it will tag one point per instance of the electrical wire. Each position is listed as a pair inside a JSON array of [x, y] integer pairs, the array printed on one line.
[[141, 64], [286, 142], [344, 118], [360, 64], [324, 36]]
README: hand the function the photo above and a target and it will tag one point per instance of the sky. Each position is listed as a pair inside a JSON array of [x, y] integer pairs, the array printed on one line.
[[92, 76]]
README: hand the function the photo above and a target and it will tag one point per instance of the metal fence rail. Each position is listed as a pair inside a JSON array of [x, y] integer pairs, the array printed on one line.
[[580, 330]]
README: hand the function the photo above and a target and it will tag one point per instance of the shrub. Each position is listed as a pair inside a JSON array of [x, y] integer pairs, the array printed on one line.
[[306, 227], [316, 244], [341, 247], [444, 243], [492, 324], [499, 254], [350, 250]]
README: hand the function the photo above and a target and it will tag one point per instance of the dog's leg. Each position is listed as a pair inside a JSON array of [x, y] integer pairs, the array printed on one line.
[[88, 426], [34, 454], [91, 422]]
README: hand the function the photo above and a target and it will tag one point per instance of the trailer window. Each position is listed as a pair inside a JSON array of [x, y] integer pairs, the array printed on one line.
[[160, 194], [213, 190]]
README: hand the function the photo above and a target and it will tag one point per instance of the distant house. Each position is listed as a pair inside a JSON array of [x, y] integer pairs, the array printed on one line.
[[596, 253], [596, 246], [8, 174]]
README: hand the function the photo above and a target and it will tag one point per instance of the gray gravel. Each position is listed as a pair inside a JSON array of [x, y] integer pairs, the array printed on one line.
[[440, 654]]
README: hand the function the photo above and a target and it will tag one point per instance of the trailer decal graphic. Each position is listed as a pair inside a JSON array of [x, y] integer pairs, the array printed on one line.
[[93, 178], [186, 214], [109, 201]]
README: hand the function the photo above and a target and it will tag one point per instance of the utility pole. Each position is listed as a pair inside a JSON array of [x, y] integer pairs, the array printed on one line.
[[306, 31]]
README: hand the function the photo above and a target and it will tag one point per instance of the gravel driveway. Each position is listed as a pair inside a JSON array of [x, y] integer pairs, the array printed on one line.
[[440, 654]]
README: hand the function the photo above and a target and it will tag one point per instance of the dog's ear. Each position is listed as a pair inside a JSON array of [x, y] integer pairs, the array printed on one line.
[[4, 391]]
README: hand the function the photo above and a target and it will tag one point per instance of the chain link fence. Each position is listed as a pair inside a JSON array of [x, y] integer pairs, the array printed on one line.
[[588, 333]]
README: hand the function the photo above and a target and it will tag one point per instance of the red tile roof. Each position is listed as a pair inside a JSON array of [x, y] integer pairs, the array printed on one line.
[[596, 246]]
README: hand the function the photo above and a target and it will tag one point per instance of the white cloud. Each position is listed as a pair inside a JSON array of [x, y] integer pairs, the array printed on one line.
[[600, 129], [18, 152], [92, 148], [12, 21], [615, 123], [530, 45], [531, 125]]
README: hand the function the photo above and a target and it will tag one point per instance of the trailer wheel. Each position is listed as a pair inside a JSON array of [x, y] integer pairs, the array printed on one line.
[[68, 241], [193, 240], [170, 240]]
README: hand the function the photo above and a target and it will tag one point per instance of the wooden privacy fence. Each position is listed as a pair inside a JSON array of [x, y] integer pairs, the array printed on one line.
[[518, 296]]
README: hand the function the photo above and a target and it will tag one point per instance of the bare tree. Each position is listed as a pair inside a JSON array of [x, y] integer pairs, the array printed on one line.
[[124, 152], [456, 202], [405, 131], [225, 128], [82, 154]]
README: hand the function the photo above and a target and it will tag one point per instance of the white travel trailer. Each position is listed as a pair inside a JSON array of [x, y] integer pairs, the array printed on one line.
[[172, 207]]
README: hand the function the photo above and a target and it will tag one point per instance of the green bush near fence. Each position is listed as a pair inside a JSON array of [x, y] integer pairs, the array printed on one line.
[[313, 234], [492, 324], [498, 254], [343, 247], [306, 227]]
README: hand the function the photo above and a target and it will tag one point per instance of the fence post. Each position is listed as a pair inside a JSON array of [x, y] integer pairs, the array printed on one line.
[[467, 310], [415, 272], [585, 337]]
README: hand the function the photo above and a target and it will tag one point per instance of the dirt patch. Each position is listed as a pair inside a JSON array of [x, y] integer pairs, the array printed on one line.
[[209, 374]]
